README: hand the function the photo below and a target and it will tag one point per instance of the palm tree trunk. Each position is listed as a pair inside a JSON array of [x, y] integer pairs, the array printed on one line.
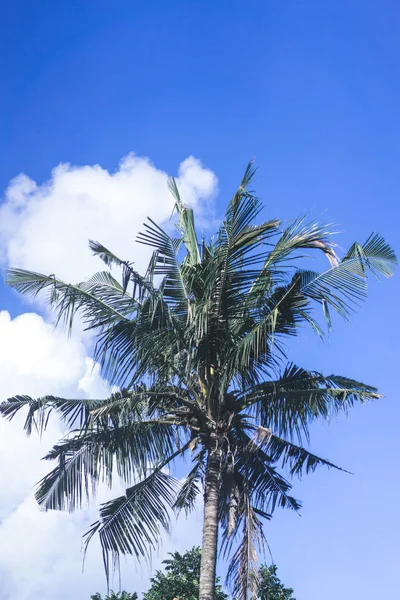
[[210, 524]]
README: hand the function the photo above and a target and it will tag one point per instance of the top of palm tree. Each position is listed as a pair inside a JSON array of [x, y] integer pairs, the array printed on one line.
[[246, 279]]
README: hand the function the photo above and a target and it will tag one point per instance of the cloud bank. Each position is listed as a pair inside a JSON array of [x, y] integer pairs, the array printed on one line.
[[46, 227]]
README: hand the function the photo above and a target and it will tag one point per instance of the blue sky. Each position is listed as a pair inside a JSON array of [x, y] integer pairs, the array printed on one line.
[[311, 91]]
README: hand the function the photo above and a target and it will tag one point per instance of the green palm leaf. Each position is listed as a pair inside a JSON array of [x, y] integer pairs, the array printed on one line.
[[191, 486], [289, 404], [99, 305], [73, 412], [186, 225], [85, 460], [131, 524], [297, 459]]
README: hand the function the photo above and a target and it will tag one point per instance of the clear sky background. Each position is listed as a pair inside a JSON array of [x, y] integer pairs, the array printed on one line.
[[309, 89]]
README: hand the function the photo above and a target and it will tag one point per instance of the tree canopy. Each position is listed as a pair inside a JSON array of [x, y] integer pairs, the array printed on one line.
[[197, 347], [181, 579], [115, 596], [270, 586]]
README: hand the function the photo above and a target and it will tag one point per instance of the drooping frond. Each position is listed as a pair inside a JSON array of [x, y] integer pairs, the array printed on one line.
[[268, 489], [296, 459], [242, 573], [289, 404], [242, 512], [345, 283], [191, 485], [85, 460], [251, 473], [132, 524], [298, 235]]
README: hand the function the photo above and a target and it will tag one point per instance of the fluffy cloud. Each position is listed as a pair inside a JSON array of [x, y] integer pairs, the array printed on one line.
[[46, 228]]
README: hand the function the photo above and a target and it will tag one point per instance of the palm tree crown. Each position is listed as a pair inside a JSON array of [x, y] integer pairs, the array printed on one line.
[[196, 346]]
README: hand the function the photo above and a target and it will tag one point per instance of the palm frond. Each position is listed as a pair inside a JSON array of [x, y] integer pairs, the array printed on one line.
[[186, 225], [289, 404], [299, 235], [345, 283], [297, 459], [131, 524], [73, 412], [100, 303], [150, 345], [254, 473], [242, 573], [109, 258], [165, 262], [87, 459], [190, 489], [375, 254]]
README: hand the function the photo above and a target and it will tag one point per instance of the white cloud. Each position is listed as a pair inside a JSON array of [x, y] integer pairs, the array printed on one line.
[[36, 359], [46, 227]]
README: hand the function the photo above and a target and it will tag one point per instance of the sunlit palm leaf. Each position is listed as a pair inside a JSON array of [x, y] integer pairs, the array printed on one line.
[[186, 225]]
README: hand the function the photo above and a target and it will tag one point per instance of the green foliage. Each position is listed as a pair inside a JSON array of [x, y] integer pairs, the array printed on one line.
[[181, 579], [115, 596], [270, 587], [197, 346]]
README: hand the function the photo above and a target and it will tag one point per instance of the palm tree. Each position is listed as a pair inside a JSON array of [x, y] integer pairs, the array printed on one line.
[[196, 348]]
